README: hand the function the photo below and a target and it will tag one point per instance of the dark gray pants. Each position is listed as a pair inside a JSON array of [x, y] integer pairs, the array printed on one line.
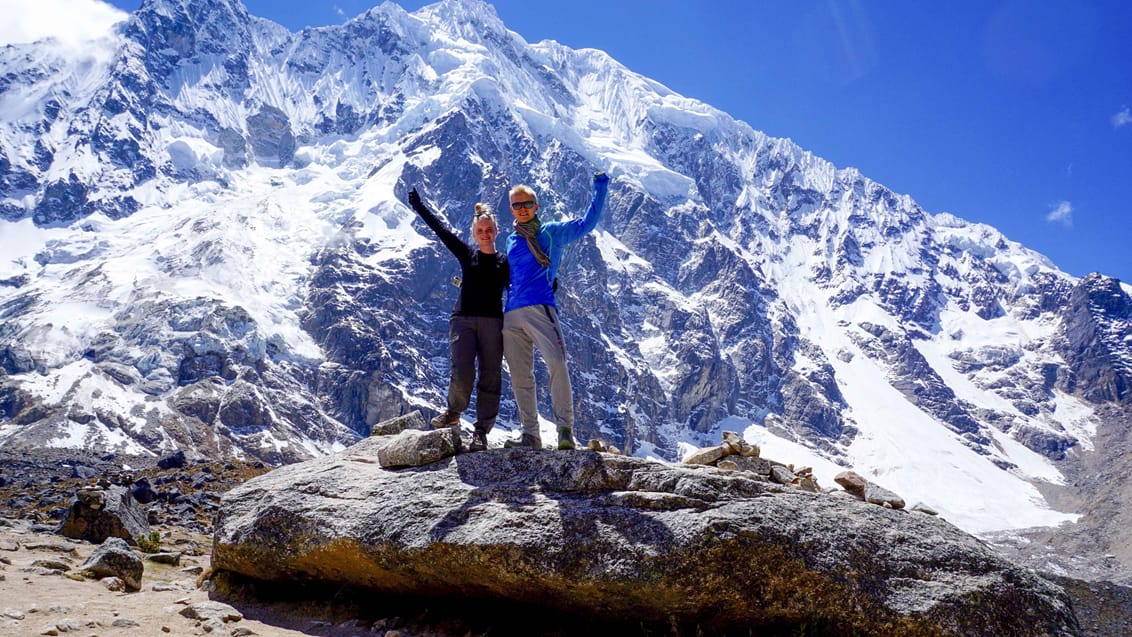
[[475, 339]]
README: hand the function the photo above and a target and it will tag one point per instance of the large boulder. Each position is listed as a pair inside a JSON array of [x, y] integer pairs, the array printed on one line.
[[99, 513], [115, 559], [602, 536]]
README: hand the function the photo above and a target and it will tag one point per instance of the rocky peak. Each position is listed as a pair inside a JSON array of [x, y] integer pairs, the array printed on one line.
[[173, 29], [1104, 295], [470, 20]]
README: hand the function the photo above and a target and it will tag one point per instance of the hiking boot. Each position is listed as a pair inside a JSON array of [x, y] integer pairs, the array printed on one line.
[[479, 441], [445, 419], [566, 438], [526, 441]]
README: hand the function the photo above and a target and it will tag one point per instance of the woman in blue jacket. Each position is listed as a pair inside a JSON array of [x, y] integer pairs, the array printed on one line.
[[474, 329], [534, 252]]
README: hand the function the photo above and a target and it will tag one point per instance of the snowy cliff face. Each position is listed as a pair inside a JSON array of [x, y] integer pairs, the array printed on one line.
[[205, 246]]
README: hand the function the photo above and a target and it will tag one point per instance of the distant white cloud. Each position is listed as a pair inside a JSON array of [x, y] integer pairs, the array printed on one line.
[[1122, 118], [1062, 212], [72, 22]]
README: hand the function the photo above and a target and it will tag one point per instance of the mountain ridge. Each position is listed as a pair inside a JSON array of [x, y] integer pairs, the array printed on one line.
[[232, 264]]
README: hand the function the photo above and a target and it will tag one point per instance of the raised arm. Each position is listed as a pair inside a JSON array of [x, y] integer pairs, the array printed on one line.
[[447, 237], [575, 229]]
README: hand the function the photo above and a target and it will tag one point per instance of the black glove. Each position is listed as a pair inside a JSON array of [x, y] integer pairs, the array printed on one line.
[[415, 200]]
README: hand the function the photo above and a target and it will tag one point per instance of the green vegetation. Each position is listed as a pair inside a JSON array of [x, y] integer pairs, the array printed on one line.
[[150, 543]]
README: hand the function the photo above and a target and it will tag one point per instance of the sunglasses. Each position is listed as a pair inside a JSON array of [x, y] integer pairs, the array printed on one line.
[[519, 205]]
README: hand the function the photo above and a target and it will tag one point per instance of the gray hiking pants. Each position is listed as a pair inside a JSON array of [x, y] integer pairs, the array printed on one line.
[[473, 339], [523, 330]]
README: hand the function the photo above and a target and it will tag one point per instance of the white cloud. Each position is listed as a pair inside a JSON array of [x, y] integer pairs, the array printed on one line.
[[32, 20], [1122, 118], [1062, 212]]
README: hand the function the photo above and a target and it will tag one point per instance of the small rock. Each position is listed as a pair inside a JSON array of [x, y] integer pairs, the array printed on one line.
[[875, 494], [394, 426], [12, 613], [852, 482], [172, 559], [56, 547], [51, 565], [733, 442], [9, 545], [710, 455], [418, 448], [727, 465], [210, 610], [242, 631], [115, 584], [923, 508], [754, 464], [782, 475], [124, 623], [807, 483]]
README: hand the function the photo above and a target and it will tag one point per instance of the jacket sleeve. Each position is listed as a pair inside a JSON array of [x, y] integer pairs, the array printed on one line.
[[446, 236], [570, 231]]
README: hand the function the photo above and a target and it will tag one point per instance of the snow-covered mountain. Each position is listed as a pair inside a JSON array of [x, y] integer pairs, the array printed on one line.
[[205, 246]]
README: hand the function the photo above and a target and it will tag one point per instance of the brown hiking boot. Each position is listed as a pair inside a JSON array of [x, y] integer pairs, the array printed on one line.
[[445, 419]]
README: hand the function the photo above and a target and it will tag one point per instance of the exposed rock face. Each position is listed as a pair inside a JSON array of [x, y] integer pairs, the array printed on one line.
[[604, 535], [1098, 346]]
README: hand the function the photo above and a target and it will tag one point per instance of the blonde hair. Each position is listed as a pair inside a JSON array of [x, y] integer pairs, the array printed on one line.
[[483, 211], [525, 189]]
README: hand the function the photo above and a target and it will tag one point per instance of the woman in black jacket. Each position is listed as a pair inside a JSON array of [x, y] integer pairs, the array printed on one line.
[[475, 328]]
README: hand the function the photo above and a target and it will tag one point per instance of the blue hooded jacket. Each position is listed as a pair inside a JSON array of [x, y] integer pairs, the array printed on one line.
[[531, 283]]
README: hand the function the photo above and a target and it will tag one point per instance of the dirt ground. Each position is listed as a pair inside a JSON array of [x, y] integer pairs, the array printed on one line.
[[38, 598]]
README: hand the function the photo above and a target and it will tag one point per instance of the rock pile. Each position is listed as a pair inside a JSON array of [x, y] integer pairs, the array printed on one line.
[[736, 454]]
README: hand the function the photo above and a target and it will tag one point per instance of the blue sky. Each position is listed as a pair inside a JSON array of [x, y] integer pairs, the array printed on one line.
[[1014, 113]]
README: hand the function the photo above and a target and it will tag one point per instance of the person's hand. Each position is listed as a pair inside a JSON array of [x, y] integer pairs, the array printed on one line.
[[415, 199], [601, 178]]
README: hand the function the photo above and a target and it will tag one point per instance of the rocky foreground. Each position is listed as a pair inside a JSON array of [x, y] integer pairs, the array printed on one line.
[[403, 535], [601, 536]]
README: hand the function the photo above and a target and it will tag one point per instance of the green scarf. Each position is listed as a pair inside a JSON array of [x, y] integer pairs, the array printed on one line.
[[529, 231]]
